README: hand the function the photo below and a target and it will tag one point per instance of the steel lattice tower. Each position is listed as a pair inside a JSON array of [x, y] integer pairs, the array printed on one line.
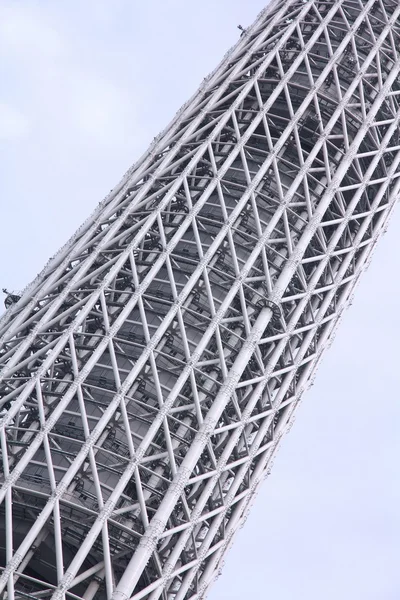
[[150, 370]]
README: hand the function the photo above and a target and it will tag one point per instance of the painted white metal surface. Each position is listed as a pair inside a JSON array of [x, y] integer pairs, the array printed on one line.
[[149, 373]]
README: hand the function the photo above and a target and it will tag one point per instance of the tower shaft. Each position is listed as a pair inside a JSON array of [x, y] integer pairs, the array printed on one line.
[[149, 372]]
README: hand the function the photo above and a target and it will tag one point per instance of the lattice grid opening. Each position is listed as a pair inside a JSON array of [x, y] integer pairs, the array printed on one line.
[[149, 372]]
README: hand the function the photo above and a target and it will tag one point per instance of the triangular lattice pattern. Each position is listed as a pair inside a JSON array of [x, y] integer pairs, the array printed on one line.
[[149, 372]]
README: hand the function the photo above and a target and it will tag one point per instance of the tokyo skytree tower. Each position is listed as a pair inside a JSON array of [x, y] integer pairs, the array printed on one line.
[[149, 372]]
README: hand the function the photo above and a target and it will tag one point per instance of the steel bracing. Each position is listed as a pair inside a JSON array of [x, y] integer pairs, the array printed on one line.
[[151, 369]]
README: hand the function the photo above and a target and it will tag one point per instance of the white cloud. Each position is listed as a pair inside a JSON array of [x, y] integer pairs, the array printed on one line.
[[98, 107], [62, 77], [26, 35], [13, 124]]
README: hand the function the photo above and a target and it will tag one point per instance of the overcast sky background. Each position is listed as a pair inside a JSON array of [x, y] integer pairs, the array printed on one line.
[[85, 86]]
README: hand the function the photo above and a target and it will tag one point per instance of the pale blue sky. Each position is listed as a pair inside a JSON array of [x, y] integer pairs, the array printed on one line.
[[86, 85]]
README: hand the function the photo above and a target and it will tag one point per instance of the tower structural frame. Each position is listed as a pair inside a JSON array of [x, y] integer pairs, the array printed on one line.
[[148, 374]]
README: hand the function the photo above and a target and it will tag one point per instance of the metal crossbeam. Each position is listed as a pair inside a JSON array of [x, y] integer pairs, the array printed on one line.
[[149, 372]]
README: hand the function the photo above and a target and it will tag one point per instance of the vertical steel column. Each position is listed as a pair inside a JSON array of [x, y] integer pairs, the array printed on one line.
[[148, 374]]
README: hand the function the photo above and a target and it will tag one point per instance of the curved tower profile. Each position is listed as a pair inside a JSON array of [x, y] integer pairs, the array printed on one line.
[[150, 370]]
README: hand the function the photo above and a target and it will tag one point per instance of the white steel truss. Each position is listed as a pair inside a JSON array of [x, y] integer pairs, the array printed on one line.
[[150, 371]]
